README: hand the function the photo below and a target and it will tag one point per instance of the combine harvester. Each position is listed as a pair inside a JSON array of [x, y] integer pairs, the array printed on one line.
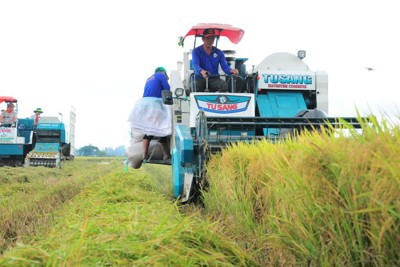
[[16, 139], [53, 144], [270, 101]]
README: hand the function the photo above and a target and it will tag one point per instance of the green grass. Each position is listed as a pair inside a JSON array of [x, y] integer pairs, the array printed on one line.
[[127, 219], [29, 195]]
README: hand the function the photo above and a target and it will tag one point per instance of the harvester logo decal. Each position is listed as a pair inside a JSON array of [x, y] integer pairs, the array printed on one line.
[[222, 104], [7, 135], [288, 80]]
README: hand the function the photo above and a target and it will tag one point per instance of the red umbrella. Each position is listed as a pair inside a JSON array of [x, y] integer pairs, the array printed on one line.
[[7, 99], [232, 33]]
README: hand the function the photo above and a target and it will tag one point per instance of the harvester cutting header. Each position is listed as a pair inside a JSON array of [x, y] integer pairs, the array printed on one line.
[[275, 99]]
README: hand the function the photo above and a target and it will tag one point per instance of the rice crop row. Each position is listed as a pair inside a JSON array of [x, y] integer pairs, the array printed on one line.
[[317, 199]]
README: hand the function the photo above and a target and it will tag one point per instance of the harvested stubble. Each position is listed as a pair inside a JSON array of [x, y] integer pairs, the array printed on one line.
[[128, 219]]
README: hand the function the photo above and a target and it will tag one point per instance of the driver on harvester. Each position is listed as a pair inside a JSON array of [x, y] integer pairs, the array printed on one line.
[[206, 60], [8, 116]]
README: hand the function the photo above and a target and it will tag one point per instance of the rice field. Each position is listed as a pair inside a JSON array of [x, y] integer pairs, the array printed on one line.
[[94, 213], [315, 200]]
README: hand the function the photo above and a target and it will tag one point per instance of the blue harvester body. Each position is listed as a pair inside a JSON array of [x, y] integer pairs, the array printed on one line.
[[51, 145], [16, 141]]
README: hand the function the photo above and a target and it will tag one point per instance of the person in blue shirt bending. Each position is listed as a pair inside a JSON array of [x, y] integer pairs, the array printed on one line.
[[150, 116], [156, 83], [206, 60]]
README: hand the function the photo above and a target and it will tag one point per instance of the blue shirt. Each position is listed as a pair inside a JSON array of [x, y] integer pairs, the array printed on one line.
[[202, 61], [155, 84]]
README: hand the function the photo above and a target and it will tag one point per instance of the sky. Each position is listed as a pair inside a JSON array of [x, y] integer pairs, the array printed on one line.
[[95, 55]]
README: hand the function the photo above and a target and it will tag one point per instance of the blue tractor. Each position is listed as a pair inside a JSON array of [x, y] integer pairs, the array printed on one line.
[[53, 145], [272, 101], [17, 137]]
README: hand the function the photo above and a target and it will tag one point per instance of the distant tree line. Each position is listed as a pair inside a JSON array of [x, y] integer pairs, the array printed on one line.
[[94, 151]]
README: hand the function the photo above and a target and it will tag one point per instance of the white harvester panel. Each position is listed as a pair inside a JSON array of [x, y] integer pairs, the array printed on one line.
[[221, 105], [281, 80], [8, 135], [285, 71]]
